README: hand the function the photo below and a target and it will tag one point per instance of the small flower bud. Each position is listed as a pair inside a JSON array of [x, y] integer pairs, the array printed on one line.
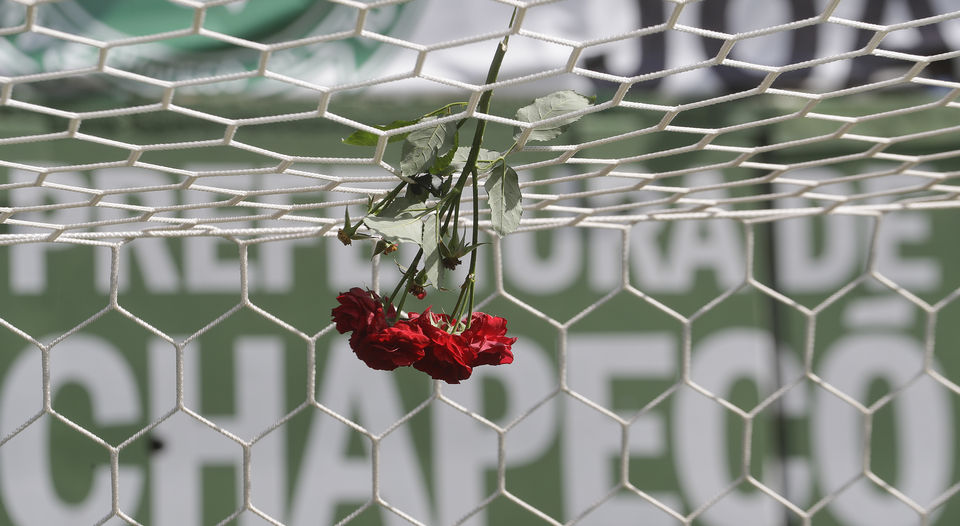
[[417, 290], [343, 236], [450, 263]]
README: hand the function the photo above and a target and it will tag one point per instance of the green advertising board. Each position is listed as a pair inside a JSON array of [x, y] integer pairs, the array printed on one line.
[[838, 297]]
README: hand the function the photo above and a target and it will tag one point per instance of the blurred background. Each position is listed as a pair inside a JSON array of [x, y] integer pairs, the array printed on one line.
[[710, 371]]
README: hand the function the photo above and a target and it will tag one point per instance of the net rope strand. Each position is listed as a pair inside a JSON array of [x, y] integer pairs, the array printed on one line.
[[655, 199]]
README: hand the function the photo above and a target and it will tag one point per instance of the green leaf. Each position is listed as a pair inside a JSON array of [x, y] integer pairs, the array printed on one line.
[[443, 161], [431, 250], [550, 106], [421, 148], [361, 138], [503, 196], [408, 203], [414, 198], [403, 228], [365, 138], [459, 160]]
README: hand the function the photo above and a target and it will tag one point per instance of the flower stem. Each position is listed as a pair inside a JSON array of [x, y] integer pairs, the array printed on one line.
[[471, 275], [407, 276], [387, 199], [483, 106], [458, 307], [438, 111], [470, 169]]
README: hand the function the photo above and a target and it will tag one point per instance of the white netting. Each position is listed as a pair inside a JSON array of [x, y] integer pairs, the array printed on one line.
[[815, 193], [819, 116]]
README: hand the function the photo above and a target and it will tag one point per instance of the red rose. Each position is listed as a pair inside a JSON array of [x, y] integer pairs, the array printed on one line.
[[448, 357], [360, 309], [389, 348], [487, 337]]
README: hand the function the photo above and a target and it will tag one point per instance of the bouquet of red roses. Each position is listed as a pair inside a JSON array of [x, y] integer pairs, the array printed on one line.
[[436, 344], [424, 209]]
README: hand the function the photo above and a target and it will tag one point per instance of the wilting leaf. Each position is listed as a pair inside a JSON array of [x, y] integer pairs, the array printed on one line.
[[503, 196], [409, 204], [443, 161], [365, 138], [484, 160], [550, 106], [403, 228], [421, 148]]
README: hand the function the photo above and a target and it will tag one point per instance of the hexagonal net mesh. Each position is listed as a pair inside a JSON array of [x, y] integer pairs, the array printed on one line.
[[763, 188], [733, 279]]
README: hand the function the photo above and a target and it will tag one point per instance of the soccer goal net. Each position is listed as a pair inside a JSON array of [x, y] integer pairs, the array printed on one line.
[[721, 235]]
